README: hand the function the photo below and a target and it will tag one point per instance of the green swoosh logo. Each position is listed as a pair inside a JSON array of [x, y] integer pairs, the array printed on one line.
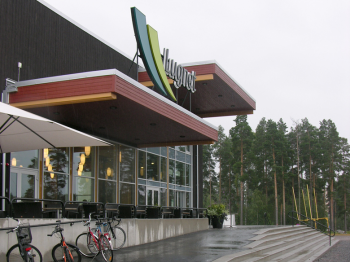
[[148, 44]]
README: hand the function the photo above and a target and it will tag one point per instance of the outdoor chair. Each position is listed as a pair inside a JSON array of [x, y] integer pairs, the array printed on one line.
[[112, 210], [92, 208], [186, 212], [72, 210], [167, 212], [152, 212], [141, 211], [27, 210], [126, 211], [51, 209]]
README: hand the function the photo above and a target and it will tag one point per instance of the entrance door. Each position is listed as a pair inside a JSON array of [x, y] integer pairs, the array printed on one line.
[[153, 198], [23, 183]]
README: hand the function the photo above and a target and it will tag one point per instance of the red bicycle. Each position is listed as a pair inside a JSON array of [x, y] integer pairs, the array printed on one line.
[[97, 242]]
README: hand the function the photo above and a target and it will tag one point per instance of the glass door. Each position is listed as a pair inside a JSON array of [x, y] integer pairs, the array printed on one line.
[[153, 198], [23, 183]]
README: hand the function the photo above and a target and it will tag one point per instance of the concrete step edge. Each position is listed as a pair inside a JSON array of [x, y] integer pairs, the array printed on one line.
[[315, 254], [279, 236], [305, 245], [273, 254], [277, 228], [290, 231], [260, 243]]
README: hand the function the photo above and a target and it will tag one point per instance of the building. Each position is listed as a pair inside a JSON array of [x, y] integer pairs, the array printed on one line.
[[74, 78]]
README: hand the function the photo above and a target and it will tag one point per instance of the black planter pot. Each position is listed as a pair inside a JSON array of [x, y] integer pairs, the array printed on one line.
[[217, 221]]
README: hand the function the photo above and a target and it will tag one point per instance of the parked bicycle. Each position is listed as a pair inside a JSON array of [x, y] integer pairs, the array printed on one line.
[[64, 251], [23, 251], [94, 242]]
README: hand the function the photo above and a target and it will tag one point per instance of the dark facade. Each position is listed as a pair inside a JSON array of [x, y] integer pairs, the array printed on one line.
[[48, 45]]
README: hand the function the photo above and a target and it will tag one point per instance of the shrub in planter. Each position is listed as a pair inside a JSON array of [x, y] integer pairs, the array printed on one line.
[[217, 213]]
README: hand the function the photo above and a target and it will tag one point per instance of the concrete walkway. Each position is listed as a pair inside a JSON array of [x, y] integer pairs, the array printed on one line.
[[203, 246]]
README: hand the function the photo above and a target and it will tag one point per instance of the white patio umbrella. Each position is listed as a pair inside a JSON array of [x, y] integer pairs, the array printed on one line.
[[21, 131]]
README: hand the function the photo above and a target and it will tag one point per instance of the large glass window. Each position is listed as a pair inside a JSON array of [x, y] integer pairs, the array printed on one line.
[[127, 193], [152, 167], [27, 159], [84, 174], [127, 164], [83, 189], [163, 177], [172, 201], [107, 191], [171, 171], [84, 161], [56, 186], [56, 173], [107, 163], [180, 173], [142, 165], [141, 190], [163, 197], [188, 175]]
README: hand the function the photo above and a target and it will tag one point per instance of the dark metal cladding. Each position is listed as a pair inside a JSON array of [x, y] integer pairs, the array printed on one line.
[[49, 45]]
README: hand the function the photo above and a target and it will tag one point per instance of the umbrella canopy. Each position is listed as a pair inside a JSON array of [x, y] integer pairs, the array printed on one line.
[[21, 131]]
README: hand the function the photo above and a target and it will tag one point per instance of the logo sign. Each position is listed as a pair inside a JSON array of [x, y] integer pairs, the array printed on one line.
[[148, 45], [179, 74]]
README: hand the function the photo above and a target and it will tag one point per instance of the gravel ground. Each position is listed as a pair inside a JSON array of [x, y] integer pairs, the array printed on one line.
[[338, 253]]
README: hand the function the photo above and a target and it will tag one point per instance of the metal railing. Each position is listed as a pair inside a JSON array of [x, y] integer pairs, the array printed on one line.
[[312, 223]]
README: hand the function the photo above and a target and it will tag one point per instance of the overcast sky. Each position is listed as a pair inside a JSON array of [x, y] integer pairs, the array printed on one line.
[[292, 57]]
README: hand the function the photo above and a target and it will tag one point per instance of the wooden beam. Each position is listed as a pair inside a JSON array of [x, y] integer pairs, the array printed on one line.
[[66, 100], [179, 143], [198, 78], [228, 113]]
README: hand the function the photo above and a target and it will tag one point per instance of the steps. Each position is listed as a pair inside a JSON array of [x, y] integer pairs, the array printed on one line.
[[293, 244]]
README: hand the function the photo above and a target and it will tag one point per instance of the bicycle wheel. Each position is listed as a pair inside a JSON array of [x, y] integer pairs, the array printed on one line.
[[81, 243], [13, 255], [93, 244], [120, 238], [106, 249], [59, 252]]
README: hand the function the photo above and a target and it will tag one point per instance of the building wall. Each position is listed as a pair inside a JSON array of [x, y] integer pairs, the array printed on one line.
[[49, 45], [138, 231]]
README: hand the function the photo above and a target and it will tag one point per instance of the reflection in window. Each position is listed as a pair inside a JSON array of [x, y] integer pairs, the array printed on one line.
[[172, 198], [27, 159], [187, 199], [107, 162], [127, 164], [107, 191], [141, 197], [163, 177], [188, 175], [152, 167], [180, 173], [56, 186], [84, 161], [171, 171], [163, 197], [13, 185], [28, 186], [56, 159], [83, 189], [127, 193], [142, 165]]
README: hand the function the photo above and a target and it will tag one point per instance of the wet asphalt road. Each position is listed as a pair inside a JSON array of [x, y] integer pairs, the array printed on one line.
[[203, 246]]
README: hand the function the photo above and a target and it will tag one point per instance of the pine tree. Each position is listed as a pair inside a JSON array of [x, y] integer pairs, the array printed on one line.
[[241, 136]]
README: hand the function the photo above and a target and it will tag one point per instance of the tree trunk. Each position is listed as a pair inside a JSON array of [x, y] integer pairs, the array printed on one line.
[[220, 180], [345, 213], [275, 180], [242, 191], [284, 196]]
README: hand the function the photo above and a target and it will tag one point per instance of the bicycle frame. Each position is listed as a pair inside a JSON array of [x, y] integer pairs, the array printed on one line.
[[23, 249]]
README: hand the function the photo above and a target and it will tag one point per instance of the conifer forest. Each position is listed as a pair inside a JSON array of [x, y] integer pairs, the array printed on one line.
[[254, 173]]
